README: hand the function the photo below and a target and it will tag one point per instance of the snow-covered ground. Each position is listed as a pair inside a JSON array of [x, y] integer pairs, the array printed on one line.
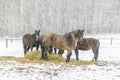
[[108, 67], [17, 71]]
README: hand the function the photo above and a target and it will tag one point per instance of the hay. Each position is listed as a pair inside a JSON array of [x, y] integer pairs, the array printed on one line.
[[34, 57]]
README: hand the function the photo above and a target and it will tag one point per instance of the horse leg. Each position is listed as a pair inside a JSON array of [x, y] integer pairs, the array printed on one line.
[[37, 47], [95, 51], [31, 48], [50, 49], [68, 56], [46, 52], [43, 51], [77, 54], [60, 52], [55, 50], [25, 49], [28, 48]]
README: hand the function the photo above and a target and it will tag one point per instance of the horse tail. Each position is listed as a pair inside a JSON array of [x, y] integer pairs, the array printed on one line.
[[96, 51]]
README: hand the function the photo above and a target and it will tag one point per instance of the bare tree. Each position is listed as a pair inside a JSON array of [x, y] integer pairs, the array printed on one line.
[[18, 17]]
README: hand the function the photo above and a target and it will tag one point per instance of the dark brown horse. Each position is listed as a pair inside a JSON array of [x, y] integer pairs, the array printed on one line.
[[67, 42], [87, 44], [30, 41]]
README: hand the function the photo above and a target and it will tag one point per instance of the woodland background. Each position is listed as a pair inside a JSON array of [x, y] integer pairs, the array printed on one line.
[[18, 17]]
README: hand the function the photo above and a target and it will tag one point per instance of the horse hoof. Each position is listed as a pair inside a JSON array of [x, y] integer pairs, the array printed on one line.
[[42, 58], [67, 60], [46, 59], [93, 60]]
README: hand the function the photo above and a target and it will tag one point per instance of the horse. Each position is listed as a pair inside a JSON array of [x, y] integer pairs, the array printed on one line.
[[67, 42], [30, 41], [87, 44]]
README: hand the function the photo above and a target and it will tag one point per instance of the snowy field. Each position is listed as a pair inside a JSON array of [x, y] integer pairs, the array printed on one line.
[[108, 67]]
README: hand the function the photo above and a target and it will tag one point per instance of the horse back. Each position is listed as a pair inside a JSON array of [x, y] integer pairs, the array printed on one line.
[[61, 42], [88, 43], [27, 39], [95, 42], [66, 41], [46, 39]]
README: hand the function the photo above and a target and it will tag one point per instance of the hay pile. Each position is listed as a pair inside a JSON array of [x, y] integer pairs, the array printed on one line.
[[34, 57]]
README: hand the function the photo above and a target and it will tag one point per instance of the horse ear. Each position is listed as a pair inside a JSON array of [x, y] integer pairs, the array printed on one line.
[[38, 30], [83, 30]]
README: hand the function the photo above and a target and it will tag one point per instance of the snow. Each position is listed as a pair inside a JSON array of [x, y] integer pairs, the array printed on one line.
[[14, 48], [16, 71], [108, 67]]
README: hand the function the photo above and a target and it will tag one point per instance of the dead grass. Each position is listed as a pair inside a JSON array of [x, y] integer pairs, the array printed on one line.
[[34, 57]]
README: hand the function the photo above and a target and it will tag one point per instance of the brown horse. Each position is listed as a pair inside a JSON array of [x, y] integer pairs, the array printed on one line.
[[67, 42], [87, 44], [30, 41]]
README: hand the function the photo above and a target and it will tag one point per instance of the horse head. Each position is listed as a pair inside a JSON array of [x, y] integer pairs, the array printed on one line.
[[78, 34], [36, 35]]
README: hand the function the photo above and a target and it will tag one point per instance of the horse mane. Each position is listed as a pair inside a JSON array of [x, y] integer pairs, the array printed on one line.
[[75, 33], [70, 37], [34, 37]]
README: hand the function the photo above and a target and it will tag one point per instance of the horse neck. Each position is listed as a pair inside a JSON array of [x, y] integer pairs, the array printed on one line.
[[34, 37], [67, 35], [75, 39], [71, 39]]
